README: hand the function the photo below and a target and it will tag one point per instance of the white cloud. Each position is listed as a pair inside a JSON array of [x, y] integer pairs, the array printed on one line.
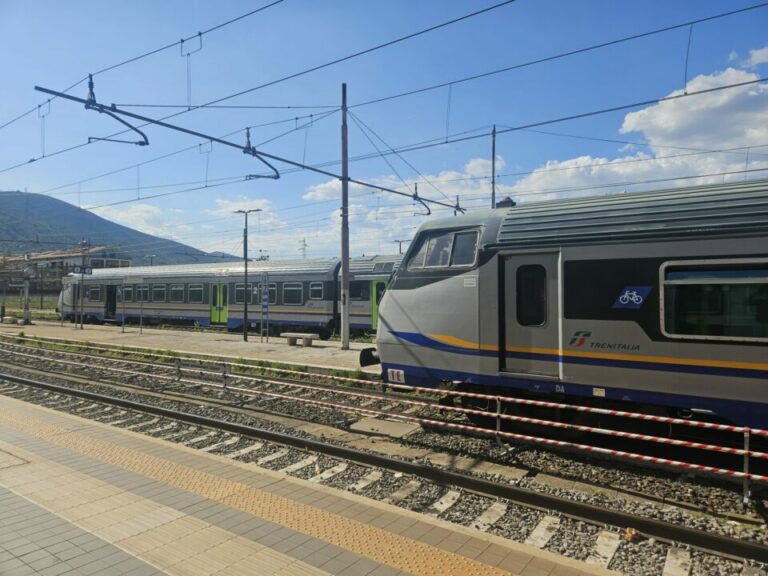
[[677, 131], [330, 190], [482, 166], [757, 57], [225, 207], [325, 191], [143, 217], [724, 119]]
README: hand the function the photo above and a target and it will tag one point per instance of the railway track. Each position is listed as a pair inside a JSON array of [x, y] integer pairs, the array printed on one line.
[[559, 523], [335, 399]]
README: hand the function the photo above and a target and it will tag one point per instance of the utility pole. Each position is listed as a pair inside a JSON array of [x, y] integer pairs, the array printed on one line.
[[344, 222], [493, 167], [246, 293], [151, 259], [303, 248], [83, 249]]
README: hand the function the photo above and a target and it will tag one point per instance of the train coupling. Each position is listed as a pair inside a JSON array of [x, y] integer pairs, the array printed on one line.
[[369, 357]]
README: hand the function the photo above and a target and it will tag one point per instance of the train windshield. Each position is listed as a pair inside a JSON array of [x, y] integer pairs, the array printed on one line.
[[445, 249]]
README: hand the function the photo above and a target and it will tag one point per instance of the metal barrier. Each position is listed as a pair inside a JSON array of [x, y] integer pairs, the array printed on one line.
[[498, 415]]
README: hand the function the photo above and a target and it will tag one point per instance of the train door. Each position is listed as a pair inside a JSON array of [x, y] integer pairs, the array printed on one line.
[[530, 330], [219, 303], [377, 289], [110, 302]]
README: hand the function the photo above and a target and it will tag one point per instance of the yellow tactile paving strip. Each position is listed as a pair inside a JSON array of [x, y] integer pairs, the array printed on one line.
[[379, 545], [169, 540]]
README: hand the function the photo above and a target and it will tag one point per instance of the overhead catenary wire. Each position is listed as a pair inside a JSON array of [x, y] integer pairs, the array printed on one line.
[[285, 78], [403, 208], [363, 127], [605, 164], [227, 106], [518, 128], [588, 114], [625, 142], [386, 160], [397, 209], [147, 54], [293, 119], [593, 47], [247, 148], [558, 56], [434, 142]]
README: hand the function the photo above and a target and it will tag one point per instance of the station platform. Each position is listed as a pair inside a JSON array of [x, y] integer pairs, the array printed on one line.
[[322, 353], [81, 497]]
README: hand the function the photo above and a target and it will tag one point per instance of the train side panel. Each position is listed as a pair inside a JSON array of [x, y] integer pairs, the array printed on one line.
[[678, 323]]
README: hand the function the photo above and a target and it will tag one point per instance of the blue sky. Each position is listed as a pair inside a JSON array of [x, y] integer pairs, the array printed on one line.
[[55, 44]]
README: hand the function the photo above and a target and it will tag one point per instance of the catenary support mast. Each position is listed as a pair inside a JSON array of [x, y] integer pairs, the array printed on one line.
[[344, 223]]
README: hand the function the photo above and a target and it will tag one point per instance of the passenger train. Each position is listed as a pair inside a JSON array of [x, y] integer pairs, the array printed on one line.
[[651, 300], [290, 294]]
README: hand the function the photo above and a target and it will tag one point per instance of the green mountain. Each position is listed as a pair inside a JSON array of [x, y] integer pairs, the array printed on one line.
[[37, 223]]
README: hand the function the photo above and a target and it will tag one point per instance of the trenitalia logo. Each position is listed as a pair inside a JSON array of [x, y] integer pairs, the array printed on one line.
[[580, 338]]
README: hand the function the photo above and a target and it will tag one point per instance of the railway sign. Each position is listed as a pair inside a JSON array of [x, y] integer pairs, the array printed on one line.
[[82, 270]]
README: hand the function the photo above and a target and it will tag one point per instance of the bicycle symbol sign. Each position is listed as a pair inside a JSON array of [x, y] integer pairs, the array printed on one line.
[[632, 296]]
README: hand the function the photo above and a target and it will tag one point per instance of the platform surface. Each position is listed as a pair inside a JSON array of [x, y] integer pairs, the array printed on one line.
[[80, 497], [325, 353]]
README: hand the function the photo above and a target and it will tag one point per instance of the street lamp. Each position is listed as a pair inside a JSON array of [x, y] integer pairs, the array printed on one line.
[[400, 244], [151, 259], [245, 262]]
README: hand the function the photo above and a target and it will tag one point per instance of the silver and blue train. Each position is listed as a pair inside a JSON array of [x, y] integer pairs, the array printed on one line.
[[652, 300], [291, 293]]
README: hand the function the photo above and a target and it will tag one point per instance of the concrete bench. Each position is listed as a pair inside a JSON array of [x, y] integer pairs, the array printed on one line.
[[292, 337]]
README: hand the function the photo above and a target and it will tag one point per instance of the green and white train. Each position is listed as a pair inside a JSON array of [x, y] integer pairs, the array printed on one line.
[[292, 293]]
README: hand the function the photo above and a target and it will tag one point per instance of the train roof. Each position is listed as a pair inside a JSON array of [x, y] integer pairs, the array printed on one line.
[[731, 209], [325, 266], [365, 266]]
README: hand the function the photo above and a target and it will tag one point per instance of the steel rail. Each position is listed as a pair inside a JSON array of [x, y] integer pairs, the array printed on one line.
[[728, 473], [719, 544]]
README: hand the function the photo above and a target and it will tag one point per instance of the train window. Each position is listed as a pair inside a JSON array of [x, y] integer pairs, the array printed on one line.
[[531, 295], [158, 292], [438, 251], [360, 290], [293, 293], [315, 290], [417, 260], [444, 250], [716, 301], [272, 288], [94, 293], [127, 293], [239, 293], [177, 293], [142, 293], [195, 293], [464, 249]]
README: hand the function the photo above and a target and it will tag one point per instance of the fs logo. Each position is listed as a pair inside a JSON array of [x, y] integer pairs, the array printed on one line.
[[580, 337]]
